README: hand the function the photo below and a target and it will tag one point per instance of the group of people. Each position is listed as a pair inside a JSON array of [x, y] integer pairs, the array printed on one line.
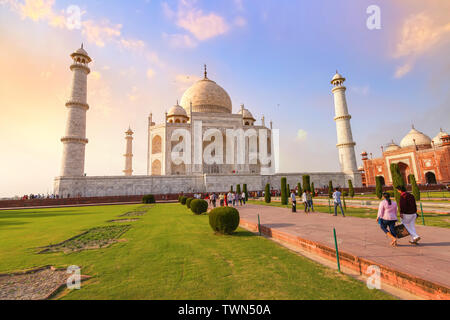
[[39, 196], [230, 199], [307, 200], [387, 215]]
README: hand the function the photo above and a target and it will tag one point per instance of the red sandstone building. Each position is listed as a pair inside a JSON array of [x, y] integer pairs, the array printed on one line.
[[427, 159]]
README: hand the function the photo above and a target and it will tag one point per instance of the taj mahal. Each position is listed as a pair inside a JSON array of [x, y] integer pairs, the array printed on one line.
[[199, 123]]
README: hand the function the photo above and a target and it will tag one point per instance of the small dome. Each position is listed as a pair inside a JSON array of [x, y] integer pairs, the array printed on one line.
[[337, 76], [247, 114], [392, 147], [415, 138], [177, 110], [206, 96], [81, 52], [437, 140], [360, 168]]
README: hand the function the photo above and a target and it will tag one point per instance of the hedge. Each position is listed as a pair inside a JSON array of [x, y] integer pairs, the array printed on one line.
[[284, 196], [148, 198], [224, 220], [199, 206], [188, 202], [244, 189], [267, 196], [183, 200]]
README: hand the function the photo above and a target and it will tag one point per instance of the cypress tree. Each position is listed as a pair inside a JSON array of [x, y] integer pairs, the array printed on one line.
[[238, 189], [288, 191], [231, 188], [284, 198], [299, 187], [306, 183], [313, 192], [415, 188], [378, 187], [351, 191], [267, 197], [244, 187], [397, 180], [330, 189]]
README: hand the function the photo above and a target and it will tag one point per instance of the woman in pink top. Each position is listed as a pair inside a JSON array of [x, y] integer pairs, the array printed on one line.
[[387, 216]]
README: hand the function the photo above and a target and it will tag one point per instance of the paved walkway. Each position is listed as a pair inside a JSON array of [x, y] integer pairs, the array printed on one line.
[[364, 238]]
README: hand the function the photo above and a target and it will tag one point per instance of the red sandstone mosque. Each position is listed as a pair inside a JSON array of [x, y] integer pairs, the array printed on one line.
[[428, 159]]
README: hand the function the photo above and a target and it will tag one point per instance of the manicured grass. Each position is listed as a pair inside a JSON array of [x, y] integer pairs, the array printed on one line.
[[169, 254], [431, 219]]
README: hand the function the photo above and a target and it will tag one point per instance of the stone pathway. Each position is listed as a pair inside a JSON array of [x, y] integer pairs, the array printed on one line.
[[364, 238]]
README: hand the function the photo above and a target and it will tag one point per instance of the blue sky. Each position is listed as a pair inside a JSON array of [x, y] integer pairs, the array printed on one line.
[[276, 57]]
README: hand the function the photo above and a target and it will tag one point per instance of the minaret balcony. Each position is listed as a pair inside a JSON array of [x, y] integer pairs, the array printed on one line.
[[345, 117], [77, 104], [74, 140], [77, 65]]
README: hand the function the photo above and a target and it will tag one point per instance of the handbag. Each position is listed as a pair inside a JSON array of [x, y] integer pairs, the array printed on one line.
[[401, 231]]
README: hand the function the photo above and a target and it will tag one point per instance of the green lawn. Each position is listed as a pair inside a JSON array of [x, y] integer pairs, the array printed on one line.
[[169, 254], [431, 219]]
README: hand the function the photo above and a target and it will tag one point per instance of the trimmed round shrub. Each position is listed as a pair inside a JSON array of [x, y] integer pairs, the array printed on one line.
[[224, 220], [188, 202], [148, 198], [183, 200], [199, 206], [179, 198]]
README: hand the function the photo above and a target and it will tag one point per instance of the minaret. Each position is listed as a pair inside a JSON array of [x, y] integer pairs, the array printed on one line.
[[345, 143], [74, 141], [129, 153]]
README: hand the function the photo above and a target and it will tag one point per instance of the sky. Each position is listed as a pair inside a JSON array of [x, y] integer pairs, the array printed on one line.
[[276, 57]]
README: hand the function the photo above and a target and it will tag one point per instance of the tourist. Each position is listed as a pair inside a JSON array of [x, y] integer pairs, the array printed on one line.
[[387, 216], [213, 199], [408, 213], [221, 199], [305, 201], [294, 202], [243, 195], [233, 198], [337, 202], [229, 199], [309, 201]]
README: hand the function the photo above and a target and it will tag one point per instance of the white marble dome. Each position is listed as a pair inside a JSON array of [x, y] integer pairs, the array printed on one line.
[[415, 138], [392, 147], [177, 110], [206, 96], [247, 114], [437, 140]]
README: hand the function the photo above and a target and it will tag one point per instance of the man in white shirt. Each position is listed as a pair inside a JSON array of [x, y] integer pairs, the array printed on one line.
[[337, 202]]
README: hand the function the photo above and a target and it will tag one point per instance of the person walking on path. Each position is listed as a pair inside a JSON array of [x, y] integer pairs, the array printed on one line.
[[305, 201], [309, 201], [243, 197], [387, 216], [221, 199], [213, 199], [294, 202], [337, 202], [408, 213]]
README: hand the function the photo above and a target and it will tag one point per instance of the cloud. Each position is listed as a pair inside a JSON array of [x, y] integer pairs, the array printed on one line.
[[102, 32], [150, 73], [203, 26], [403, 70], [419, 34], [180, 40], [301, 135]]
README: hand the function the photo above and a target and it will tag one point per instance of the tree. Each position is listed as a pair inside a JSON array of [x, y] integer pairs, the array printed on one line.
[[306, 183], [351, 191], [415, 188], [378, 187], [330, 189], [244, 189], [299, 187], [284, 198], [313, 190], [231, 188], [238, 189], [267, 196], [397, 180]]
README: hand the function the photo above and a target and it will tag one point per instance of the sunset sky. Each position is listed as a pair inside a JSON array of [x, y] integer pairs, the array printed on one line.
[[276, 57]]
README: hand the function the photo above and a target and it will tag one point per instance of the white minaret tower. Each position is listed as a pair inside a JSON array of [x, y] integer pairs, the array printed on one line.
[[75, 140], [129, 153], [345, 143]]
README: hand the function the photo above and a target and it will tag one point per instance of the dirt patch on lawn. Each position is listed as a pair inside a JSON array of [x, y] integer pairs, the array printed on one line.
[[37, 284], [95, 238], [138, 211], [124, 220]]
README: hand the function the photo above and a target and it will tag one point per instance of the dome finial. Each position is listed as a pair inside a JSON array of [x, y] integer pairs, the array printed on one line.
[[206, 72], [82, 45]]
